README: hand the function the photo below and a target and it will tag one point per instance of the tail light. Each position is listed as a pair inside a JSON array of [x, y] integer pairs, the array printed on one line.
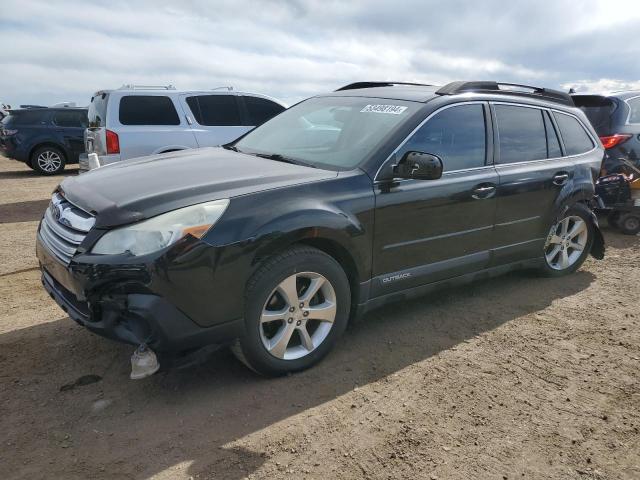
[[614, 140], [113, 142]]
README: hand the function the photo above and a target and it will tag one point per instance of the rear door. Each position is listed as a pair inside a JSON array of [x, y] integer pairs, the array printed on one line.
[[94, 134], [429, 230], [215, 118], [532, 172], [151, 123], [70, 126]]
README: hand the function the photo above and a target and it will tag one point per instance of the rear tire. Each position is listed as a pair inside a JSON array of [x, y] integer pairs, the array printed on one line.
[[48, 160], [569, 242], [629, 223], [297, 306]]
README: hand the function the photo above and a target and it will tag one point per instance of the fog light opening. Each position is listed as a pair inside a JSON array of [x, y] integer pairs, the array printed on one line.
[[144, 363]]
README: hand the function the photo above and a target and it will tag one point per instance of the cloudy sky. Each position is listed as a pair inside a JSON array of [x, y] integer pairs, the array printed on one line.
[[61, 50]]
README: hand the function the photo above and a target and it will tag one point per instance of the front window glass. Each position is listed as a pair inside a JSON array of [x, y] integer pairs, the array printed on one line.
[[215, 110], [456, 135], [329, 132]]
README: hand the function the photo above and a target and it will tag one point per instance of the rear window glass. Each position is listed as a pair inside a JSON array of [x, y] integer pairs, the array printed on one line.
[[553, 145], [26, 117], [98, 110], [634, 106], [148, 110], [576, 139], [215, 110], [599, 110], [521, 134], [70, 118], [456, 135], [260, 109]]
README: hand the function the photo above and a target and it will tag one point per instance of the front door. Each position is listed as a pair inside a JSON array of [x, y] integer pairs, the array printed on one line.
[[430, 230]]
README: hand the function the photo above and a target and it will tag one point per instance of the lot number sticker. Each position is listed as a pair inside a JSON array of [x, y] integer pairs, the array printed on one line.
[[392, 109]]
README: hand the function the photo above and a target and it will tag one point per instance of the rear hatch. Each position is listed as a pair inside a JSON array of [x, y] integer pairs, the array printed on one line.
[[599, 110], [95, 135]]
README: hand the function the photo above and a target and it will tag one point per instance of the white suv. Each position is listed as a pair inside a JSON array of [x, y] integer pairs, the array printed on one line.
[[135, 121]]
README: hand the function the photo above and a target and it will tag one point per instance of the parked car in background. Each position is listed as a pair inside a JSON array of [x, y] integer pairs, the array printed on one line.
[[377, 192], [46, 139], [616, 119], [135, 121]]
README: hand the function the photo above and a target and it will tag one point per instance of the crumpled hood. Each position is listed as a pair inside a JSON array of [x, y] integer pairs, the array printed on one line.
[[135, 189]]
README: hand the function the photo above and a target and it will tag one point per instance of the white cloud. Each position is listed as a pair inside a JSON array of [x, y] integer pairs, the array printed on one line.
[[66, 50]]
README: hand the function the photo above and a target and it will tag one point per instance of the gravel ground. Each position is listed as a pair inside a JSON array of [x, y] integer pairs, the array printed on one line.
[[517, 377]]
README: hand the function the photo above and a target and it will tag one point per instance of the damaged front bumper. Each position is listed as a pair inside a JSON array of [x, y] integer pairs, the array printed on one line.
[[127, 311]]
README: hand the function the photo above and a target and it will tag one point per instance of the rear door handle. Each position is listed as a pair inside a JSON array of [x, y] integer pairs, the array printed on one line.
[[560, 178], [483, 191]]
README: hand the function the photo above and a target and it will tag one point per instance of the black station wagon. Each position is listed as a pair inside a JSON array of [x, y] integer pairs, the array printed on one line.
[[376, 192]]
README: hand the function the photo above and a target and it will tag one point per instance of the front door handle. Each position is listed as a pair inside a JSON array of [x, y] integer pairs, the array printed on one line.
[[483, 191], [560, 178]]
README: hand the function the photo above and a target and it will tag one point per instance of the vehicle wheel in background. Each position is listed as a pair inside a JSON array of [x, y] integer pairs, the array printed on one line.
[[297, 306], [568, 242], [48, 160], [629, 223]]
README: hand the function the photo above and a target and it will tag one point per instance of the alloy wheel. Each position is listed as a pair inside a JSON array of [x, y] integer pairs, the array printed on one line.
[[298, 315], [566, 241], [49, 161]]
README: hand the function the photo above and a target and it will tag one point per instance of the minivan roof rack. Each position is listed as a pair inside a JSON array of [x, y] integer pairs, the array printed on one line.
[[130, 86], [353, 86], [507, 89]]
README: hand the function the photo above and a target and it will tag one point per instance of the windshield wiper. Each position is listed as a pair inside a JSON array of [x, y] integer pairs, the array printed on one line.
[[281, 158], [231, 147]]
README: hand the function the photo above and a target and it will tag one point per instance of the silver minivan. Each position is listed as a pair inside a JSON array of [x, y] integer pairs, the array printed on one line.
[[134, 121]]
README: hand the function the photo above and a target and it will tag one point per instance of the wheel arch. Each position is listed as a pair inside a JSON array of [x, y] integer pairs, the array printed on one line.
[[47, 143]]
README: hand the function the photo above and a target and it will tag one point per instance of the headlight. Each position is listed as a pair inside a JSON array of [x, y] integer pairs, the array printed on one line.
[[161, 231]]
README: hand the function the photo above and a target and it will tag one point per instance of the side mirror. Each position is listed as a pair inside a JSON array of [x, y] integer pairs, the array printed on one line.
[[418, 166]]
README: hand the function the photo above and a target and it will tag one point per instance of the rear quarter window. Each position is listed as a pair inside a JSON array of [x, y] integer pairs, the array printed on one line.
[[148, 110], [634, 107], [521, 134], [575, 138], [260, 109]]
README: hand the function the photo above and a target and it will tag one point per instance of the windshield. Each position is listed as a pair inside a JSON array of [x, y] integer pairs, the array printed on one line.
[[329, 132]]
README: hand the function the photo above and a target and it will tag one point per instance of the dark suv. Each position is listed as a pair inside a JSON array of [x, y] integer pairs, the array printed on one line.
[[616, 119], [46, 139], [374, 193]]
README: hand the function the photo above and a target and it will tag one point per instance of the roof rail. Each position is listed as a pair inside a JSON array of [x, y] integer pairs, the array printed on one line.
[[229, 88], [353, 86], [129, 86], [507, 89]]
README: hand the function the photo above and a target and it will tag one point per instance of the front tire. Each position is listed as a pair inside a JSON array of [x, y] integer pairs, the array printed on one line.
[[297, 306], [569, 241], [48, 160]]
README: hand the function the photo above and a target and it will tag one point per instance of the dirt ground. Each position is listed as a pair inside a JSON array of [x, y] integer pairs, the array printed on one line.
[[517, 377]]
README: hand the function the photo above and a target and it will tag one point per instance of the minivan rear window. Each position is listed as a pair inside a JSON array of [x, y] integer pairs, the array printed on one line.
[[598, 109], [98, 110], [576, 139], [148, 110], [521, 134]]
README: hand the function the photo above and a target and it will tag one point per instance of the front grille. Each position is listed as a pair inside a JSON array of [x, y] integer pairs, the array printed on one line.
[[64, 227]]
